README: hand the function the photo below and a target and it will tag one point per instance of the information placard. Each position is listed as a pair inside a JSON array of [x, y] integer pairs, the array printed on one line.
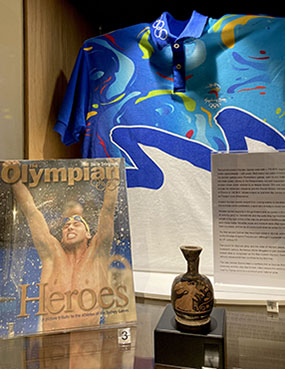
[[248, 193]]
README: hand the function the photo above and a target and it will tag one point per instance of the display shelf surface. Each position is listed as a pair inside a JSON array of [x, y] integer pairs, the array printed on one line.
[[253, 340]]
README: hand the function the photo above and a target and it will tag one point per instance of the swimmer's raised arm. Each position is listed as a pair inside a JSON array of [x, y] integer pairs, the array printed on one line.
[[103, 239], [44, 242]]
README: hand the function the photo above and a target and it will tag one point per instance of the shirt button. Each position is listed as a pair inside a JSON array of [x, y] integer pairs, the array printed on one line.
[[178, 66], [176, 46]]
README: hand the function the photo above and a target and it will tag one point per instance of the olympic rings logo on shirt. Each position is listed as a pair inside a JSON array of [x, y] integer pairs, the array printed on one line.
[[160, 32]]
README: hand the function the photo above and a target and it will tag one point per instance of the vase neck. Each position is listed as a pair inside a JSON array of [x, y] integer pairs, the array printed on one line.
[[193, 266]]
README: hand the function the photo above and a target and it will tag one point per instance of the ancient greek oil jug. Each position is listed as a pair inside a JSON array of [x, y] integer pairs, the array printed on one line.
[[192, 294]]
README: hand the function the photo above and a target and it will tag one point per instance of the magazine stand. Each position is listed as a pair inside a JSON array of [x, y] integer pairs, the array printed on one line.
[[176, 348]]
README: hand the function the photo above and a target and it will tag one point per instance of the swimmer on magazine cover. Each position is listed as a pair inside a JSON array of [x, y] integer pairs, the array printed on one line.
[[74, 273]]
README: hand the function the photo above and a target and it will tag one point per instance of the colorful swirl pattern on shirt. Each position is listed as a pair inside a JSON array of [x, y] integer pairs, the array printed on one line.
[[122, 85]]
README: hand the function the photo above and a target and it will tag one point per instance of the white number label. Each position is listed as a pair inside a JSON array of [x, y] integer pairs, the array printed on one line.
[[124, 336]]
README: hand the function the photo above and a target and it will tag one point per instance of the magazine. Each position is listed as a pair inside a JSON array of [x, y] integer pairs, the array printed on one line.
[[65, 250]]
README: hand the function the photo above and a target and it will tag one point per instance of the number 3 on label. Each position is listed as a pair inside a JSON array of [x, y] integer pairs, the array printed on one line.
[[124, 336]]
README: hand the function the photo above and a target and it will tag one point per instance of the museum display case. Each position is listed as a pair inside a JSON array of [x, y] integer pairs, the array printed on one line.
[[166, 116]]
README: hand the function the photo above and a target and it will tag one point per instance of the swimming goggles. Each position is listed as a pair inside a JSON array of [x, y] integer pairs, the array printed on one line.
[[77, 218]]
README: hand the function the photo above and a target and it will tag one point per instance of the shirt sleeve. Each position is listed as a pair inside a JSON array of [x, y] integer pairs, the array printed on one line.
[[71, 120]]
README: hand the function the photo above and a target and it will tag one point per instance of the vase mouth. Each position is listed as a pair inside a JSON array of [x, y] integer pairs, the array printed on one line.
[[191, 248], [191, 253]]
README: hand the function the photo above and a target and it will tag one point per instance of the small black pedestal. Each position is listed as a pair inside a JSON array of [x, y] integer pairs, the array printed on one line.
[[176, 348]]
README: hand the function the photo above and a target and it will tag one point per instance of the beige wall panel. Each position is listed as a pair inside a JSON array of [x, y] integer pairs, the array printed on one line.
[[54, 33], [11, 80]]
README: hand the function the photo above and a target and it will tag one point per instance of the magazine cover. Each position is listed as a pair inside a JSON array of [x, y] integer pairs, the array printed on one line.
[[65, 250]]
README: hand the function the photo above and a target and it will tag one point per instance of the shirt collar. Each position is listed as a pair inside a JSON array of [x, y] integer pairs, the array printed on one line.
[[161, 28]]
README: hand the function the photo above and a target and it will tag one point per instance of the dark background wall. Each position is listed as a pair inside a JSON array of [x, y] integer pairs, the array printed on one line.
[[110, 16]]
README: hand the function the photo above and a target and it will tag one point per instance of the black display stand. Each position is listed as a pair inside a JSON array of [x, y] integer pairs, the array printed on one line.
[[175, 347]]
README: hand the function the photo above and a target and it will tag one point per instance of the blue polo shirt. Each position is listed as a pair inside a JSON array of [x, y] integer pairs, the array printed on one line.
[[205, 81], [181, 90]]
